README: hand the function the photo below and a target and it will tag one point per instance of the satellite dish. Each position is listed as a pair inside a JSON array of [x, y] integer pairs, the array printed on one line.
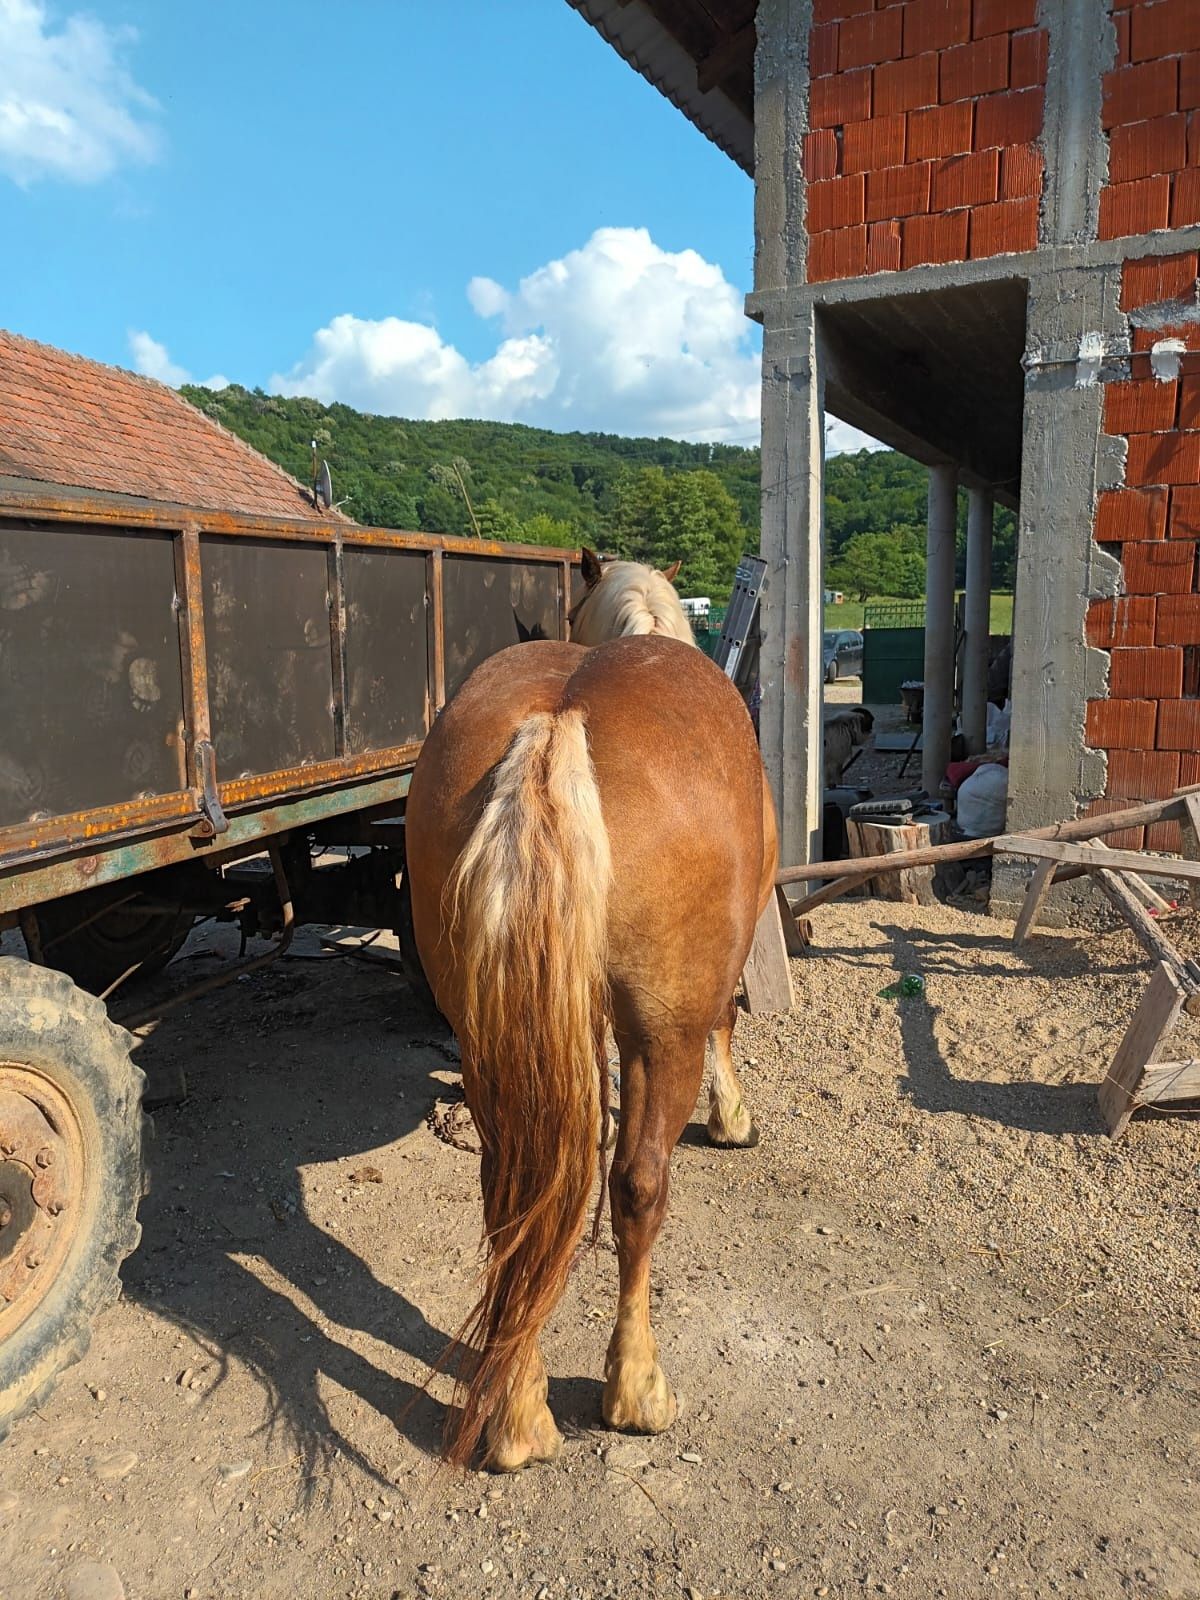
[[322, 486]]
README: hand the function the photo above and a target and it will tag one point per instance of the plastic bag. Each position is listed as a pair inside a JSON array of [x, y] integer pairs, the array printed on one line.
[[983, 800]]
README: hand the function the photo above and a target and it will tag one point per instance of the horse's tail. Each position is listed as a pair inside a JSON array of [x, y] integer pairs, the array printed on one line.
[[528, 909]]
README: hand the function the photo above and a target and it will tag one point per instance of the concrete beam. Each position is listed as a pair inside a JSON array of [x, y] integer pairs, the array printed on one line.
[[790, 658], [938, 716], [978, 610]]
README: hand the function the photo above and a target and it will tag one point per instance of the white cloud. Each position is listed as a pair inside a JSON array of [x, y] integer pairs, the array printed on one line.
[[69, 106], [153, 360], [840, 438], [619, 335]]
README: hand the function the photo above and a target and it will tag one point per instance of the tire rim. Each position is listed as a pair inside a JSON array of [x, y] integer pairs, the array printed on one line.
[[43, 1170]]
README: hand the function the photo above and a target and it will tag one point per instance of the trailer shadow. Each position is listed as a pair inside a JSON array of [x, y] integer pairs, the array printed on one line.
[[930, 1084], [229, 1252]]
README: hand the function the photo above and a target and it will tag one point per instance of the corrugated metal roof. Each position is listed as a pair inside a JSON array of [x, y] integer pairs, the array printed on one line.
[[635, 33]]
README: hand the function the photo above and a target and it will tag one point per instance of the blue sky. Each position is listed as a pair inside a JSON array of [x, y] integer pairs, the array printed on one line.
[[467, 208]]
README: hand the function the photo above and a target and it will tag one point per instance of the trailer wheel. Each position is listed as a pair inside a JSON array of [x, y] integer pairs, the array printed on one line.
[[104, 949], [71, 1175]]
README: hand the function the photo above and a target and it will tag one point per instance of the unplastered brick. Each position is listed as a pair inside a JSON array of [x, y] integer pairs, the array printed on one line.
[[836, 204], [1143, 774], [1004, 119], [972, 180], [1178, 619], [1120, 724], [823, 50], [933, 240], [1151, 279], [1154, 674], [1021, 169], [1132, 94], [935, 25], [1129, 208], [906, 85], [1184, 521], [1159, 567], [1126, 621], [1189, 403], [1179, 725], [1030, 57], [1185, 198], [883, 247], [834, 10], [940, 131], [1163, 458], [1146, 148], [873, 37], [1139, 406], [1189, 81], [1165, 837], [1137, 514], [1003, 16], [1165, 29], [841, 99], [971, 70], [820, 155], [898, 191], [1008, 228], [878, 142], [840, 254]]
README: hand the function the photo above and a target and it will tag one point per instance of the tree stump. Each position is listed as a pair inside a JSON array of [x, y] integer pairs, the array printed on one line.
[[911, 885]]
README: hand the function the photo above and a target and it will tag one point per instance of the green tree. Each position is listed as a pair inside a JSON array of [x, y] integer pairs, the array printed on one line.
[[889, 563], [688, 517]]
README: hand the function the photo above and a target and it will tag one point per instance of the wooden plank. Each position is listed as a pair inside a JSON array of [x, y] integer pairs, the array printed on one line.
[[1035, 897], [767, 976], [1150, 936], [795, 938], [967, 849], [1088, 855], [1150, 896], [1155, 1017], [831, 891], [1170, 1080]]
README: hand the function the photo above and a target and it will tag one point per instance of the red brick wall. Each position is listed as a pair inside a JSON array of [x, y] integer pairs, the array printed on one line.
[[924, 116], [1150, 723], [1152, 117]]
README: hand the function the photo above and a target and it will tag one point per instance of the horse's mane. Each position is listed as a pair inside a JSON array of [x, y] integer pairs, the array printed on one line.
[[631, 598]]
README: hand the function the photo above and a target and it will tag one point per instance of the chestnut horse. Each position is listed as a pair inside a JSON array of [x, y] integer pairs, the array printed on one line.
[[587, 846]]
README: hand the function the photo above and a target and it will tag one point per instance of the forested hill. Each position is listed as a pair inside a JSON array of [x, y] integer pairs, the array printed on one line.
[[657, 500]]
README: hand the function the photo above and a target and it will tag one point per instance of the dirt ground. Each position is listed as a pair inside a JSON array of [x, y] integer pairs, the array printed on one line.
[[934, 1336]]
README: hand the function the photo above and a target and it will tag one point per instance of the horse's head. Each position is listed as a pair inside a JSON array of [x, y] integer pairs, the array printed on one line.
[[625, 597]]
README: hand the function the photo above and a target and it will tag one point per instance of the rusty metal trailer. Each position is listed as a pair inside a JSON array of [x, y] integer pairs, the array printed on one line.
[[181, 692]]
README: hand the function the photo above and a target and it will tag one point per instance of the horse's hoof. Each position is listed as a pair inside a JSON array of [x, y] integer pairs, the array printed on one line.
[[634, 1407], [725, 1138], [510, 1453]]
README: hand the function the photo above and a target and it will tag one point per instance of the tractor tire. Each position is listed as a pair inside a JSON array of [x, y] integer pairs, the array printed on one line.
[[103, 951], [72, 1138]]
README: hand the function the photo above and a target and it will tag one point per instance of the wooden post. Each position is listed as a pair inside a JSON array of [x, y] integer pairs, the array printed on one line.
[[1121, 1091]]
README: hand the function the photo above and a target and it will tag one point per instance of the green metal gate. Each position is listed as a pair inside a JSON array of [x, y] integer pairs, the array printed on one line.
[[891, 656]]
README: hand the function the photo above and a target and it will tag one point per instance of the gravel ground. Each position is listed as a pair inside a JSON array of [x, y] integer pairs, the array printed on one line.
[[934, 1336]]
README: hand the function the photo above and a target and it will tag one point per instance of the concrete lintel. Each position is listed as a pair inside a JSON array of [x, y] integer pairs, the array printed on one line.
[[773, 303]]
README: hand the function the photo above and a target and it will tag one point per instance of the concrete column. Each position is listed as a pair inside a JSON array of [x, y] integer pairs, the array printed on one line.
[[978, 620], [790, 660], [939, 626]]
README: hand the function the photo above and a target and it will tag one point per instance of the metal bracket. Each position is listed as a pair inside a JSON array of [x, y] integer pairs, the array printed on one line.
[[214, 820]]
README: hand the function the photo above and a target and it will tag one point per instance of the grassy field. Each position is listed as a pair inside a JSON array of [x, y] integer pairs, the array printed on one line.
[[850, 613]]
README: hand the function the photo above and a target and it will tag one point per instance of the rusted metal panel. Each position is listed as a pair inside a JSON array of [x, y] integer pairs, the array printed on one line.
[[267, 629], [489, 605], [29, 885], [387, 648], [91, 689]]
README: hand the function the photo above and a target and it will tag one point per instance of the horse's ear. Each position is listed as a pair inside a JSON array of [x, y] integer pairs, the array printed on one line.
[[672, 572], [590, 564]]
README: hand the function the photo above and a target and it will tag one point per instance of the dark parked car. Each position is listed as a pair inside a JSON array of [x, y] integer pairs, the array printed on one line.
[[843, 655]]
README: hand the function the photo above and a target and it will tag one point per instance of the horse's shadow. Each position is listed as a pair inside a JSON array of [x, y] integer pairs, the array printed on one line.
[[226, 1187], [929, 1082]]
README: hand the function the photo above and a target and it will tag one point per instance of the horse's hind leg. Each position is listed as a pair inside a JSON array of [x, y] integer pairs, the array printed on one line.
[[729, 1122], [658, 1091]]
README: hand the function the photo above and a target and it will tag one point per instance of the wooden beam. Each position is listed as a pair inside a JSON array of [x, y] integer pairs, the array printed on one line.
[[729, 54], [767, 976], [1081, 828], [1098, 860], [1154, 1019], [1151, 937], [1035, 896]]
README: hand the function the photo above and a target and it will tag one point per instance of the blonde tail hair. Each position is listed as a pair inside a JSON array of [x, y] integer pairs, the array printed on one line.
[[528, 905]]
